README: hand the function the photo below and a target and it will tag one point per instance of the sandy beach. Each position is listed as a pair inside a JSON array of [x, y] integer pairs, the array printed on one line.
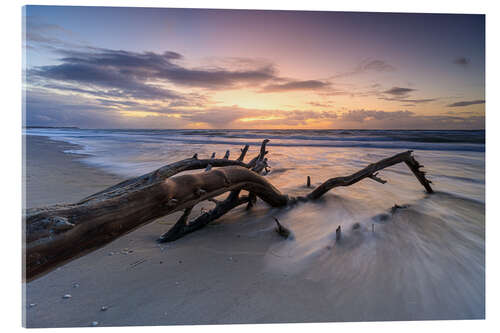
[[238, 270], [53, 176]]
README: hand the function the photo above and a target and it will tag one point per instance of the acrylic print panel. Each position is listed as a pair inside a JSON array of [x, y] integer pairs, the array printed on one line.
[[195, 166]]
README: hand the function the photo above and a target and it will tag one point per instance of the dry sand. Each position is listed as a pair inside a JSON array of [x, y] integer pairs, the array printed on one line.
[[53, 176], [227, 272]]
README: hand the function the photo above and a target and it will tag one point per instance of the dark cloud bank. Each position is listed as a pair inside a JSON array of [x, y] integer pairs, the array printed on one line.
[[140, 75]]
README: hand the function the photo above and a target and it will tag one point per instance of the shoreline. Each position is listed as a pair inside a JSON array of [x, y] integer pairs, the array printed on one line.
[[52, 176], [237, 270]]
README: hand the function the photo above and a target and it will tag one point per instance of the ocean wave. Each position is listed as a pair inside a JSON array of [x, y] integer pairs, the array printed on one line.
[[131, 152], [427, 136]]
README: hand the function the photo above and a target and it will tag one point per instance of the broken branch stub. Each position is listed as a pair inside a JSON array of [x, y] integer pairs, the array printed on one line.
[[280, 229]]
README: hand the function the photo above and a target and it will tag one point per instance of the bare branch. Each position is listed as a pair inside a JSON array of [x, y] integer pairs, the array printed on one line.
[[59, 233], [252, 199], [222, 208], [280, 229], [162, 173], [261, 155], [178, 226], [243, 153], [405, 157], [377, 179]]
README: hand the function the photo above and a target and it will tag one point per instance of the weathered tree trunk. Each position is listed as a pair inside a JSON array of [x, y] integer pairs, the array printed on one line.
[[60, 233]]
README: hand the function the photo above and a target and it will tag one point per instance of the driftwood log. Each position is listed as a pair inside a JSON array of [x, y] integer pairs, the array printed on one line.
[[59, 233]]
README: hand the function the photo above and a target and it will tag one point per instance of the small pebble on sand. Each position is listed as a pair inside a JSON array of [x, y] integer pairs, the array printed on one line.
[[104, 308], [76, 285], [95, 323], [126, 251], [32, 305], [67, 296]]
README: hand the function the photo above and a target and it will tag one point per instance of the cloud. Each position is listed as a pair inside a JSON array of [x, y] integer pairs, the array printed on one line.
[[368, 65], [216, 78], [74, 110], [465, 103], [119, 74], [462, 61], [327, 104], [99, 80], [296, 85], [115, 88], [398, 91], [422, 100], [376, 65], [145, 74], [130, 71], [403, 119], [52, 109], [111, 66], [362, 115], [59, 110], [107, 73], [400, 94], [231, 117], [106, 88], [47, 35], [409, 100]]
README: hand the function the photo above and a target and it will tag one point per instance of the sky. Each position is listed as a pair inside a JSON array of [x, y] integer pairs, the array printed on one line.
[[118, 67]]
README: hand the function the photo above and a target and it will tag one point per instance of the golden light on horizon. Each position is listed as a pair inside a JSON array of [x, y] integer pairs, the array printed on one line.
[[260, 118], [144, 114]]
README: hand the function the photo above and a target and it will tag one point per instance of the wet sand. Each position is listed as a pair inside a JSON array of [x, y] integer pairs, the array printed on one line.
[[238, 270]]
